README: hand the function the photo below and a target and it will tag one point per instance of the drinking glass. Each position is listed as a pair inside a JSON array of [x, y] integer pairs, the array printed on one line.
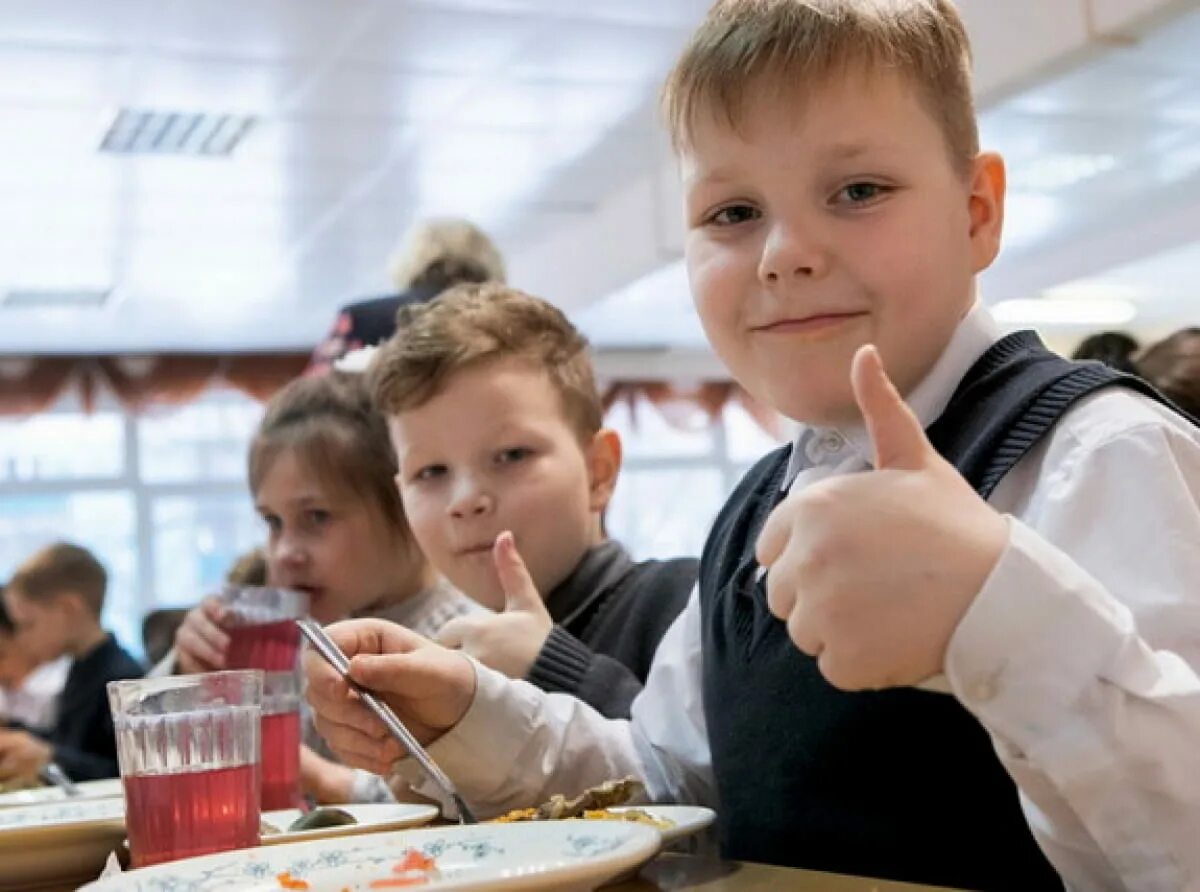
[[188, 749]]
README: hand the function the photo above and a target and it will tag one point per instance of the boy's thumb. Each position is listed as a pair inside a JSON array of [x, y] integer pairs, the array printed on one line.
[[899, 440], [520, 593]]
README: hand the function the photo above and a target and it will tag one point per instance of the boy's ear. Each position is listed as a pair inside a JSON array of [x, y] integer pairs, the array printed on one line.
[[604, 466], [74, 605], [986, 208]]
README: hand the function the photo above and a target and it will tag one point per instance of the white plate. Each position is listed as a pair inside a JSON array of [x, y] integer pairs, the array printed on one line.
[[97, 789], [370, 818], [60, 843], [559, 855], [686, 820], [69, 841]]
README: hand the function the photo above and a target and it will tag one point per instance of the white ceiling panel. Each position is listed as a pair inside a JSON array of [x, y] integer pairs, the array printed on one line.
[[196, 83], [115, 24], [528, 115], [512, 102], [42, 77], [374, 92], [275, 30], [434, 39], [602, 52], [319, 142]]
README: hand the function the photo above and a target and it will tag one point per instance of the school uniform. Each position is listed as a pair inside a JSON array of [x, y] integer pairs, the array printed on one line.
[[83, 740], [609, 615], [1074, 671]]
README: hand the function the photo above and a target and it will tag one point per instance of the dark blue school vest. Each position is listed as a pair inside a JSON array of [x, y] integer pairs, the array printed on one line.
[[899, 784]]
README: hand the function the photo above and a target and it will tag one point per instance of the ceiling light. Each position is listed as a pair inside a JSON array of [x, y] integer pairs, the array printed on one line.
[[1082, 311], [141, 132], [43, 298]]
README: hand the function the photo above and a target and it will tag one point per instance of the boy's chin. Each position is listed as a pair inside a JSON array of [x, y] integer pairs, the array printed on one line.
[[814, 410]]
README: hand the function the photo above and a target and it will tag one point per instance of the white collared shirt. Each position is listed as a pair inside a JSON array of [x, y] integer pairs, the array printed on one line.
[[1080, 655], [34, 702]]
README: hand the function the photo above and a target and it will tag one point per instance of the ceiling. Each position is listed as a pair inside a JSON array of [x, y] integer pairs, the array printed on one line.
[[532, 116]]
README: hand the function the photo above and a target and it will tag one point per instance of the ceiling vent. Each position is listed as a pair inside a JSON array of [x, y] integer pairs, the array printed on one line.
[[57, 298], [141, 132]]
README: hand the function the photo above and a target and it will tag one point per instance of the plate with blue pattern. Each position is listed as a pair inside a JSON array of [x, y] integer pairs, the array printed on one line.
[[97, 789], [571, 856]]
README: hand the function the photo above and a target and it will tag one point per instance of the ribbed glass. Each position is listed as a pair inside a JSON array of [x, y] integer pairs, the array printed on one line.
[[187, 722]]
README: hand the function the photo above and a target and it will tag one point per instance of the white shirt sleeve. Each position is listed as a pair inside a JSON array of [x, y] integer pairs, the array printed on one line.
[[517, 745], [1080, 658]]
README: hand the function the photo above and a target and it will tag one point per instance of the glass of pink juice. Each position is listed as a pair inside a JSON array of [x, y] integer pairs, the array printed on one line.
[[188, 749], [261, 626], [281, 741]]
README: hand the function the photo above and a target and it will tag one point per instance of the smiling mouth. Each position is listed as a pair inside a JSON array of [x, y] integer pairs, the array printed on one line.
[[475, 550], [808, 324]]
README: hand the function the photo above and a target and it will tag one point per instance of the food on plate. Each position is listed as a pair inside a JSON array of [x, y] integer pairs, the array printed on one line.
[[414, 869], [320, 818], [591, 805]]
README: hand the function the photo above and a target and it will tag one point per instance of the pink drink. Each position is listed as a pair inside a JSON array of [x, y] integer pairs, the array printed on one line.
[[281, 761], [189, 813], [270, 646]]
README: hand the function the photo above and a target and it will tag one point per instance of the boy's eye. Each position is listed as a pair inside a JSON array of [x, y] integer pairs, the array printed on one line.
[[430, 472], [515, 454], [274, 524], [733, 214], [317, 516], [859, 193]]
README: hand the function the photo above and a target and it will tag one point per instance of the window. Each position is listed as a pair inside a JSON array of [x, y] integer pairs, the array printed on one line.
[[673, 482], [159, 498], [46, 447], [101, 520]]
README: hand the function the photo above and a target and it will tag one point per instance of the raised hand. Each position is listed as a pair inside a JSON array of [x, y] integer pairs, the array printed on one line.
[[511, 640], [872, 572], [200, 642]]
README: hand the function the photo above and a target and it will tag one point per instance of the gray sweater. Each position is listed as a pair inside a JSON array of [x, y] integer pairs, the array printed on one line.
[[609, 615]]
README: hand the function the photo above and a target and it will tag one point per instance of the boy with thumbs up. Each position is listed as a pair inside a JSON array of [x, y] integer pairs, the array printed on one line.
[[505, 471], [951, 633]]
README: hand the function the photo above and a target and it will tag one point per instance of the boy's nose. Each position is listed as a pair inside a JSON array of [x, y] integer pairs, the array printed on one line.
[[788, 256], [470, 501]]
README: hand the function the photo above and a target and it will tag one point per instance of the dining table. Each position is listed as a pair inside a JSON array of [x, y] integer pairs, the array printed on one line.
[[711, 874], [674, 872]]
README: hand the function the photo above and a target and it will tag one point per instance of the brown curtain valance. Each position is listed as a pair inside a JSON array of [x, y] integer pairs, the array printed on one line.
[[29, 385], [33, 384]]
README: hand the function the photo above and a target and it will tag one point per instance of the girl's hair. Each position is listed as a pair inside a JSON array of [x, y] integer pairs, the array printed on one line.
[[1113, 348], [330, 425], [1173, 366]]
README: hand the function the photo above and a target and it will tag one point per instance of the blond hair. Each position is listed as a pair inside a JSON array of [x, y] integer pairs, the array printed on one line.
[[473, 324], [745, 46], [60, 569], [437, 254]]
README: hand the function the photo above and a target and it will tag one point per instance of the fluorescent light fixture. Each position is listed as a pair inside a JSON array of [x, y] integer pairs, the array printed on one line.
[[1080, 311], [59, 298], [146, 132]]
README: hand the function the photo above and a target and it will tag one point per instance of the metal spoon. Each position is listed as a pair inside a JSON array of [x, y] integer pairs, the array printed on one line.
[[333, 655]]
